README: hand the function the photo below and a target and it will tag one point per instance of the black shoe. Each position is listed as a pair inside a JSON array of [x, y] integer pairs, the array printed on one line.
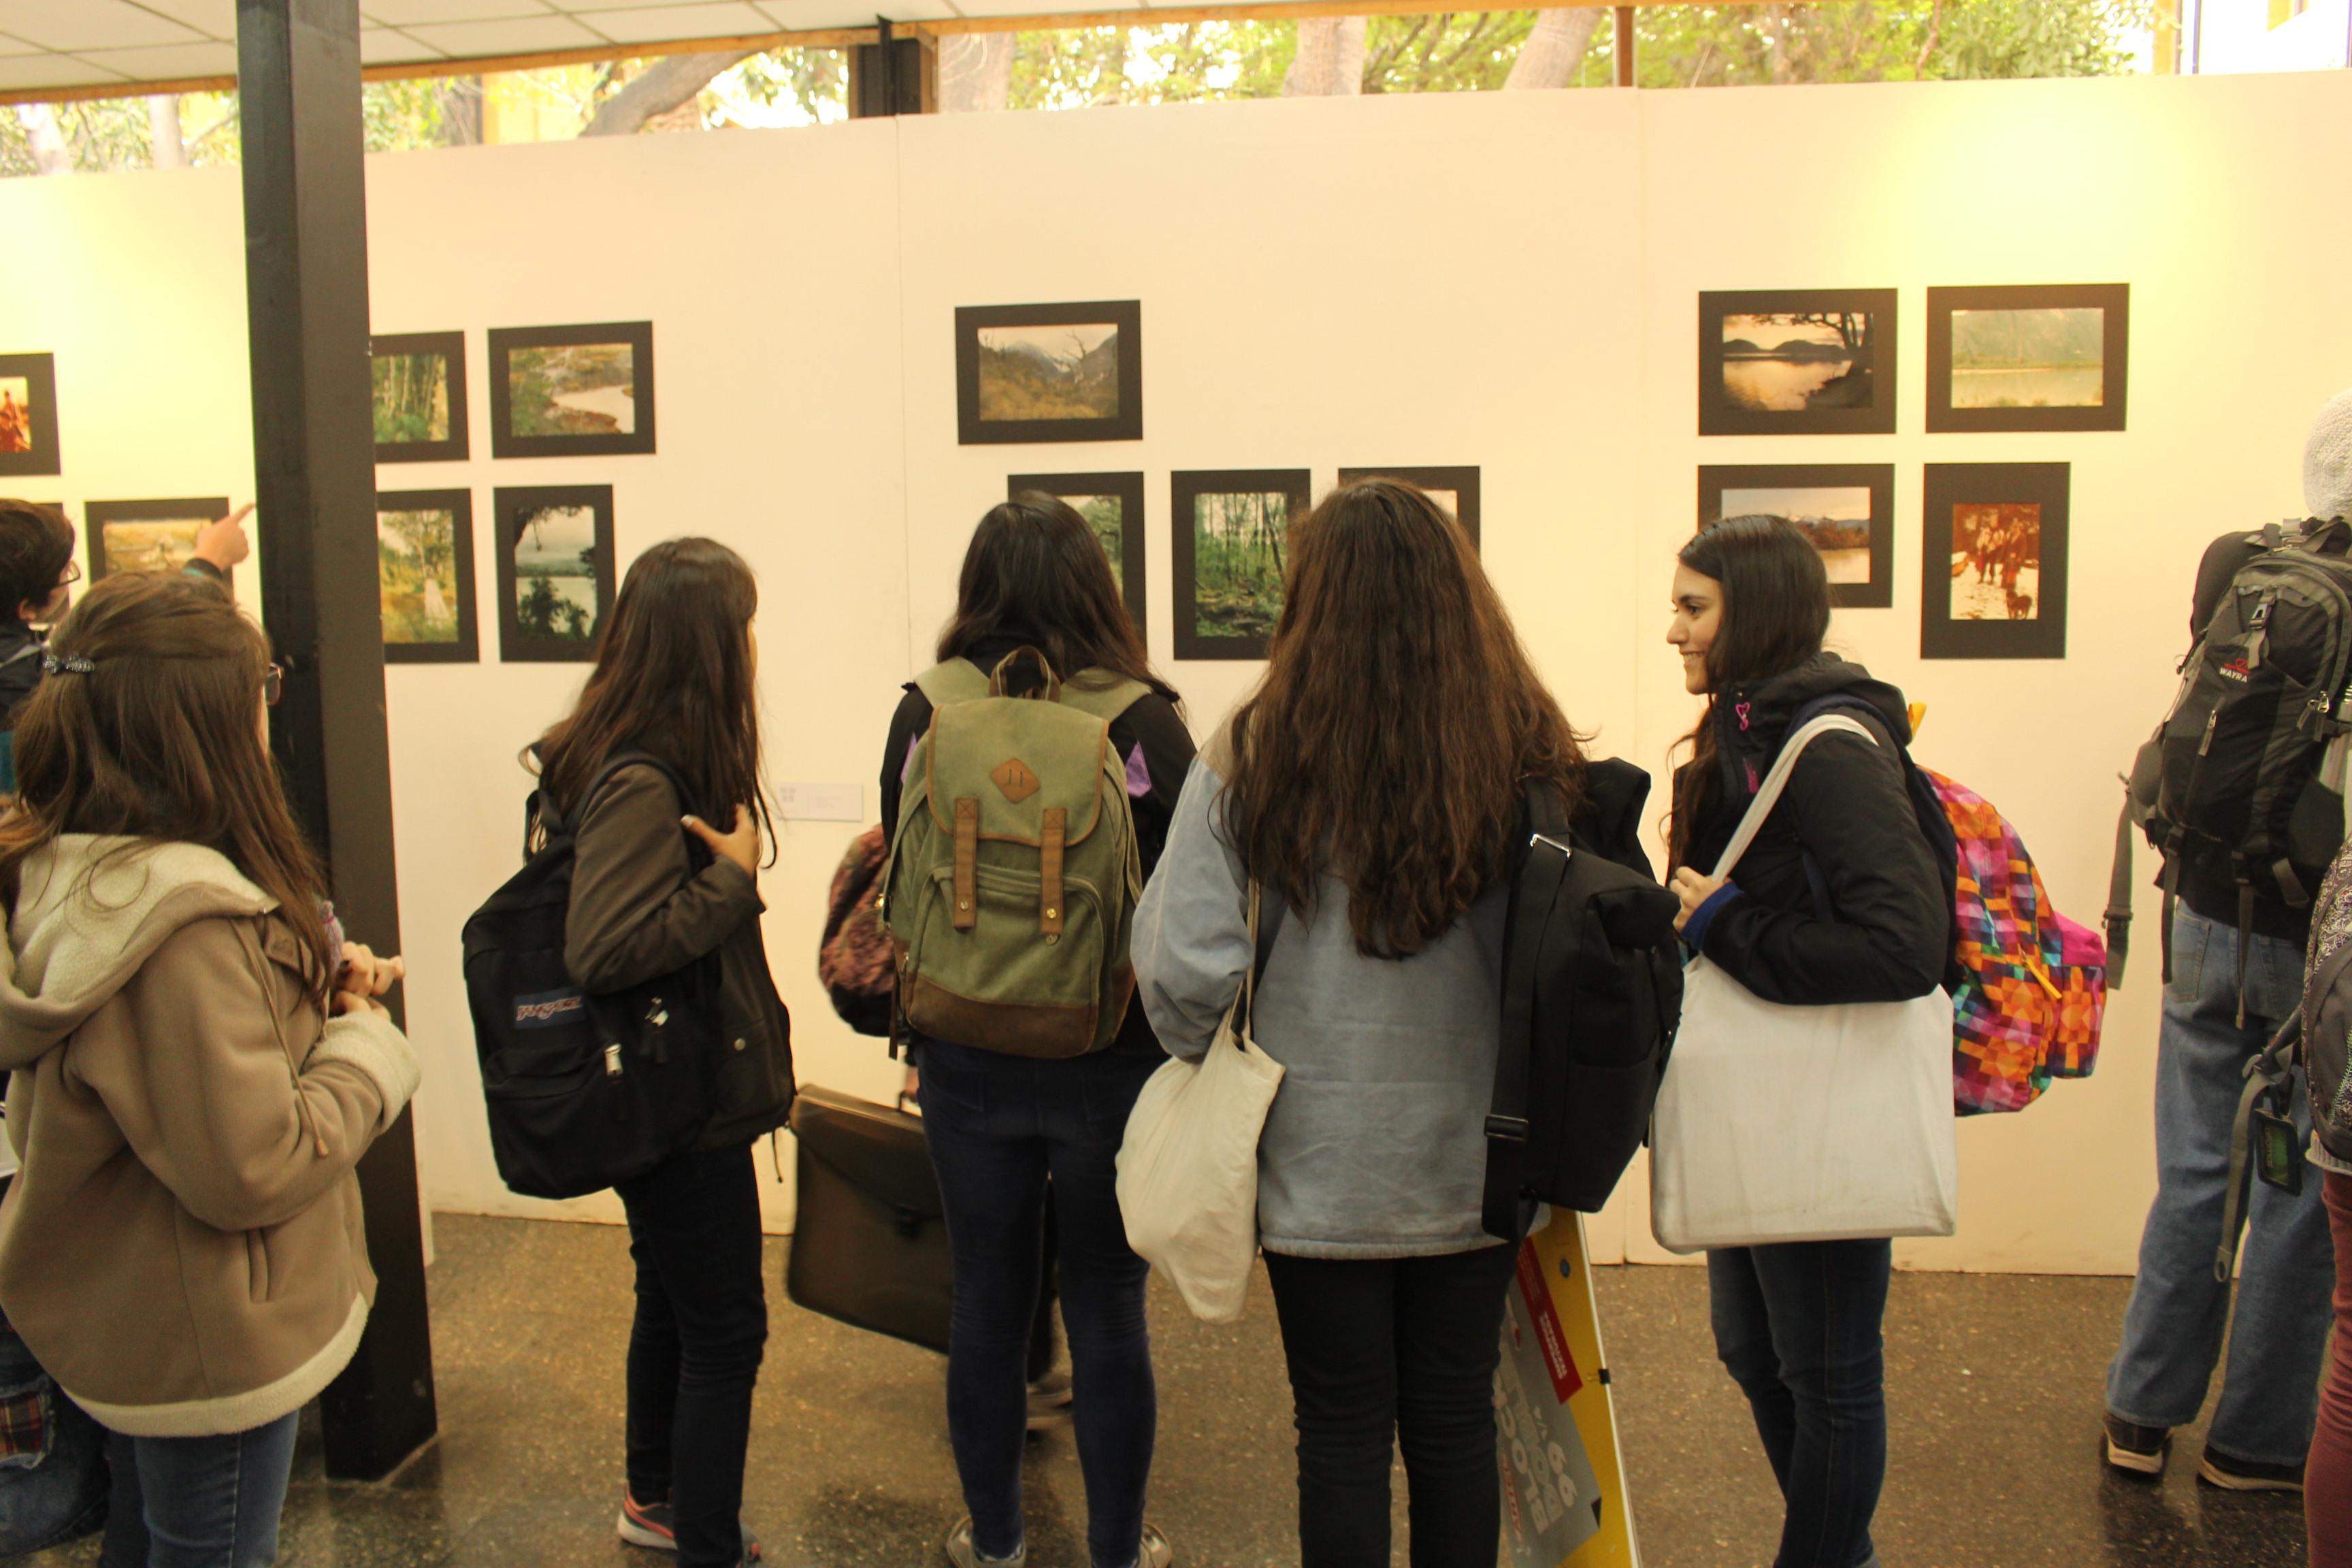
[[2233, 1474], [2137, 1450]]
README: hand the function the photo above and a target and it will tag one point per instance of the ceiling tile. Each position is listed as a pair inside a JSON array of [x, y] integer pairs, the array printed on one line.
[[673, 22], [167, 64], [9, 46], [803, 16], [50, 70], [384, 46], [89, 25], [401, 13], [584, 8], [522, 36], [216, 17]]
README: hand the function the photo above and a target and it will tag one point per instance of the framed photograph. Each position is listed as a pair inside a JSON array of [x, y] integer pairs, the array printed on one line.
[[425, 570], [1994, 542], [2052, 358], [1231, 543], [28, 415], [1455, 490], [148, 536], [1112, 505], [1847, 509], [420, 397], [567, 392], [556, 573], [1049, 373], [1797, 362]]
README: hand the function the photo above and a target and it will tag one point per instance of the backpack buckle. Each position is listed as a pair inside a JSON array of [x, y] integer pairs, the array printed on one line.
[[1514, 1127]]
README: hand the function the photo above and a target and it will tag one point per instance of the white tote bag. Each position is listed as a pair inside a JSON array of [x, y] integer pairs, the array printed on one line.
[[1791, 1123], [1188, 1165]]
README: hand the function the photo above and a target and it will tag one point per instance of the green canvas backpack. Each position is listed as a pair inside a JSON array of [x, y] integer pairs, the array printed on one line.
[[1013, 880]]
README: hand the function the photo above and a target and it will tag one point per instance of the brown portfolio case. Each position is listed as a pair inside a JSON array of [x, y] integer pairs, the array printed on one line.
[[869, 1247]]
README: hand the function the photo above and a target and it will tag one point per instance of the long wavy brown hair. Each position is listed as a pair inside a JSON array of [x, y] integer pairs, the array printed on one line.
[[1036, 571], [1775, 612], [1397, 717], [673, 678], [158, 740]]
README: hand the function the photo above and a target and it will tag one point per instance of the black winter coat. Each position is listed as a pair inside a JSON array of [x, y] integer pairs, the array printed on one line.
[[1889, 934]]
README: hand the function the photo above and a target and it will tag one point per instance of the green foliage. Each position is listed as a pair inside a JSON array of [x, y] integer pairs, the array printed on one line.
[[808, 85], [400, 116], [412, 548], [1876, 40], [1237, 562], [1075, 68], [412, 397], [1456, 51]]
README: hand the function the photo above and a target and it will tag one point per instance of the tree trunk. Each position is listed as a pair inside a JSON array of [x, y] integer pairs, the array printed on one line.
[[168, 151], [46, 141], [976, 72], [1555, 49], [461, 112], [1330, 58], [666, 84]]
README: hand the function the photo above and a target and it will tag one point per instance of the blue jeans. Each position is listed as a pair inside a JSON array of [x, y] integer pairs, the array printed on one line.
[[53, 1480], [998, 1126], [2173, 1328], [1798, 1327], [199, 1502]]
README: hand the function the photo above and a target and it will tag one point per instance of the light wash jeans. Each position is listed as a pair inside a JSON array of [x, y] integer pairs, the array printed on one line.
[[199, 1502], [2173, 1328]]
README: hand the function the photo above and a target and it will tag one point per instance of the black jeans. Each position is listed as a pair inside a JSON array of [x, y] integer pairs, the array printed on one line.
[[695, 1348], [1798, 1327], [998, 1126], [1395, 1352]]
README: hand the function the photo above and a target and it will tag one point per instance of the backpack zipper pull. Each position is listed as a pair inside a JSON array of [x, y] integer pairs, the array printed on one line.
[[2206, 745], [613, 1061]]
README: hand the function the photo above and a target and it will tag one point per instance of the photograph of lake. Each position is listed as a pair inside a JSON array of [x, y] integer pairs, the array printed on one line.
[[2029, 359], [1836, 517], [417, 573], [1067, 371], [150, 544], [1238, 542], [16, 413], [412, 397], [1997, 562], [1791, 362], [555, 573], [571, 389]]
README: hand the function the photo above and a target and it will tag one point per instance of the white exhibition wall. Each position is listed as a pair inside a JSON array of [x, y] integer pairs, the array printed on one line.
[[1503, 279]]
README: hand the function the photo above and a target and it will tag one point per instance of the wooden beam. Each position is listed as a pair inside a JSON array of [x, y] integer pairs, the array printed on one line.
[[1621, 45]]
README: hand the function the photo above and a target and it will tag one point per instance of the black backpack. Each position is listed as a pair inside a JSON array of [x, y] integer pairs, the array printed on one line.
[[1592, 990], [2236, 765], [583, 1091]]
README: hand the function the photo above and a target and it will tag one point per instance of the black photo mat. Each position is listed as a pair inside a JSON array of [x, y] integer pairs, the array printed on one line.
[[1829, 369], [456, 587], [531, 352], [1460, 483], [1231, 584], [449, 348], [1993, 553], [543, 623], [2042, 376], [1127, 489], [1822, 500], [28, 440], [148, 536], [1031, 373]]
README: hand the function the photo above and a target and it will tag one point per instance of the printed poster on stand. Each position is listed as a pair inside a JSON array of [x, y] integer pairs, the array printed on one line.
[[1563, 1477]]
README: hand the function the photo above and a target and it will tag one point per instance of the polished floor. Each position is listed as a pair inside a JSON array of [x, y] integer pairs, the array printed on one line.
[[1994, 1388]]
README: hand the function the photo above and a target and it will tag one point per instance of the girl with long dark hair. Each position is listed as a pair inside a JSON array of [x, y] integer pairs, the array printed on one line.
[[658, 885], [198, 1064], [1369, 787], [999, 1126], [1838, 899]]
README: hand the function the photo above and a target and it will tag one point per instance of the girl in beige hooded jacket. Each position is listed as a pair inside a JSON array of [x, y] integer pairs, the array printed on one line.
[[197, 1064]]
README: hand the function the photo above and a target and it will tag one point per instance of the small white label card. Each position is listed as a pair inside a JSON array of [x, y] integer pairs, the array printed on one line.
[[821, 801]]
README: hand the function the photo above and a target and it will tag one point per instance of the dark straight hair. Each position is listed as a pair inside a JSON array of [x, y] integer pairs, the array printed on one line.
[[36, 543], [1776, 611], [1034, 571], [673, 678]]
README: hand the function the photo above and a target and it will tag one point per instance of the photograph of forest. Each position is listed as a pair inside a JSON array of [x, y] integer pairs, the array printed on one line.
[[571, 389], [2029, 359], [1106, 516], [16, 413], [555, 574], [1061, 372], [1790, 363], [1239, 553], [147, 544], [416, 569], [412, 398]]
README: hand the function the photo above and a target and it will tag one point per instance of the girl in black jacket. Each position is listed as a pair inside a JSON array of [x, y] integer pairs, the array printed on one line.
[[1839, 900]]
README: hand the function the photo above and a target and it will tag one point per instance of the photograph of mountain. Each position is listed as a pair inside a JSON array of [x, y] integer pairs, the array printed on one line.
[[1846, 510], [28, 415], [1231, 548], [571, 391], [1797, 362], [2031, 358], [1112, 505], [555, 571], [1994, 561], [1049, 373], [420, 397], [425, 573]]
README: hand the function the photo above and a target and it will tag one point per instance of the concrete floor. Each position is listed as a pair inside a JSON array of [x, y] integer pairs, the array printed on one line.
[[1994, 1389]]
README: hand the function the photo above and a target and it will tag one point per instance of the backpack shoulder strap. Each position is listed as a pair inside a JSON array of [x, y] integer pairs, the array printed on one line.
[[1105, 698], [955, 680]]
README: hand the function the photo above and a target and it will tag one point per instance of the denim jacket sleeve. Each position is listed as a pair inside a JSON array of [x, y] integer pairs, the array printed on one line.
[[1191, 944]]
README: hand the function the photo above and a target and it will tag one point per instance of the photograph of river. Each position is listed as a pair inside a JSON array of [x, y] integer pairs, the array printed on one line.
[[555, 573], [1996, 562], [1789, 363], [2029, 359], [1064, 371], [1835, 519], [571, 389]]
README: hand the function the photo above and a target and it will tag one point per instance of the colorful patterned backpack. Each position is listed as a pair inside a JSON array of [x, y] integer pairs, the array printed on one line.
[[2034, 983]]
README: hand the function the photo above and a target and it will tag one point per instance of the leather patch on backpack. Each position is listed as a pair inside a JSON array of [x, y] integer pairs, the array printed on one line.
[[1013, 777]]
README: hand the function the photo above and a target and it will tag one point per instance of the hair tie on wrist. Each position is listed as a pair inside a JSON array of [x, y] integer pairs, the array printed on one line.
[[70, 664]]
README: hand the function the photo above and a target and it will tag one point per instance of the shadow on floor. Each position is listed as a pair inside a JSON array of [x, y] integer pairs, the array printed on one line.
[[1994, 1389]]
